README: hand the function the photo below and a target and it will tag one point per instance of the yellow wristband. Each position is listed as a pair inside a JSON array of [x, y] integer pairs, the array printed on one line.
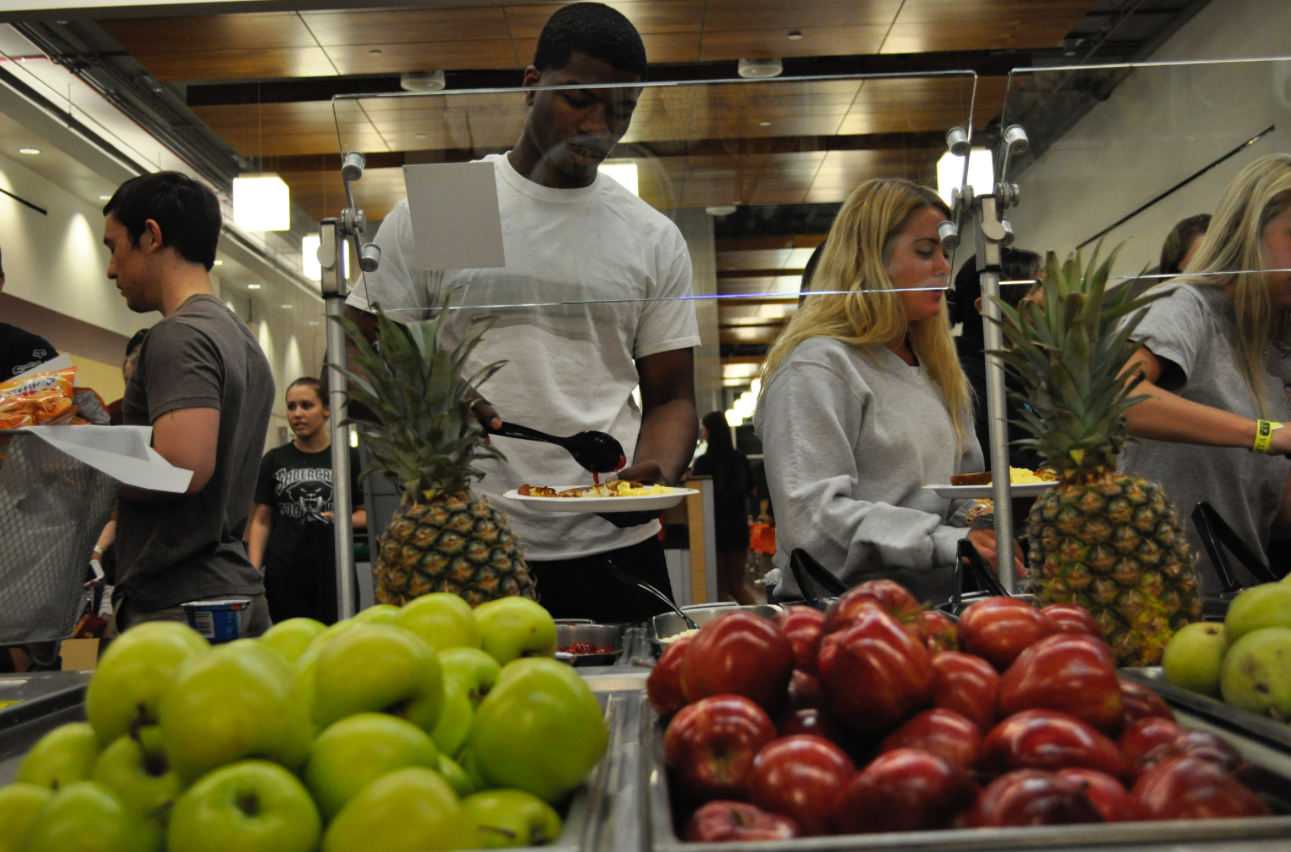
[[1264, 435]]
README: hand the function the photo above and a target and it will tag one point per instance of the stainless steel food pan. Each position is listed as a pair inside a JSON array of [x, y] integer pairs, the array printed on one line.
[[601, 635], [667, 625]]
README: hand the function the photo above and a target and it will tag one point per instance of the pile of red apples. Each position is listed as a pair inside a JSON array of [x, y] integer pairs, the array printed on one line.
[[879, 715]]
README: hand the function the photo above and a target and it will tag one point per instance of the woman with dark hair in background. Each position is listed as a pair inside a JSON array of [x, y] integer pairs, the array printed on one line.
[[1182, 243], [1018, 271], [732, 486]]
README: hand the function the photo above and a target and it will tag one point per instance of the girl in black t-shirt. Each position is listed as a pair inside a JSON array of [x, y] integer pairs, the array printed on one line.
[[291, 536]]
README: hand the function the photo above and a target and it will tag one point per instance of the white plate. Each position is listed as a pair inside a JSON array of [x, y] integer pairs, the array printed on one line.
[[649, 503], [986, 492]]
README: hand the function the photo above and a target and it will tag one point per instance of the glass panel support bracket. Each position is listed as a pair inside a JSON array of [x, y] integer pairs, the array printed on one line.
[[992, 232]]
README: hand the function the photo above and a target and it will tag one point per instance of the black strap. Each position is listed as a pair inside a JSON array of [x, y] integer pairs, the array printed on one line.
[[1214, 532]]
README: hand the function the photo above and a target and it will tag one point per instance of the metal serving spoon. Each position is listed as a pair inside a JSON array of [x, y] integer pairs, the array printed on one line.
[[598, 452], [628, 580]]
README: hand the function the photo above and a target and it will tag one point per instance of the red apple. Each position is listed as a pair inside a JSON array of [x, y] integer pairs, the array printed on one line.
[[1070, 618], [801, 624], [1050, 740], [1032, 797], [890, 596], [738, 654], [1203, 745], [1071, 672], [942, 632], [1141, 702], [800, 777], [710, 745], [814, 721], [663, 686], [1143, 735], [1104, 792], [1192, 788], [998, 629], [804, 691], [968, 685], [718, 822], [941, 732], [904, 790], [874, 674]]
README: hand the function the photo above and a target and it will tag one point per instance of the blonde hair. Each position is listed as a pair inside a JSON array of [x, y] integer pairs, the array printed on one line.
[[870, 313], [1232, 253]]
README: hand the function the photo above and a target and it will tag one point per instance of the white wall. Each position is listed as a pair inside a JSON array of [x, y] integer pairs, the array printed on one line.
[[1157, 128]]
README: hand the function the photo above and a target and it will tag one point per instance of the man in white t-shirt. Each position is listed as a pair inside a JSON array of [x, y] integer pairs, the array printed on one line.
[[601, 274]]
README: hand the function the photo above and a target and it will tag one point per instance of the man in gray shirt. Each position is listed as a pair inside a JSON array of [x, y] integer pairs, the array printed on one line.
[[205, 387]]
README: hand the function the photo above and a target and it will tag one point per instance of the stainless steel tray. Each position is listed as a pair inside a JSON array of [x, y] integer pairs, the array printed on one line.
[[1251, 725], [602, 635], [666, 625], [1263, 833]]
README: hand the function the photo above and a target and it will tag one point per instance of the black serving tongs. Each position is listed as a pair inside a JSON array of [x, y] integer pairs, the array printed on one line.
[[1216, 535], [810, 574], [598, 452]]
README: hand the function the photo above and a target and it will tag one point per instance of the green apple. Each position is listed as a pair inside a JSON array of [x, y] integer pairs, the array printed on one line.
[[136, 772], [514, 627], [442, 619], [471, 769], [456, 776], [1256, 674], [540, 729], [454, 718], [358, 750], [302, 689], [63, 756], [379, 668], [511, 818], [85, 817], [135, 670], [332, 632], [231, 704], [378, 614], [410, 810], [290, 638], [1268, 605], [475, 669], [19, 805], [251, 806], [1193, 657]]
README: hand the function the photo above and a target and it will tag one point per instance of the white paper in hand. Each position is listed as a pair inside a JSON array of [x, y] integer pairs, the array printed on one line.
[[122, 452], [455, 218]]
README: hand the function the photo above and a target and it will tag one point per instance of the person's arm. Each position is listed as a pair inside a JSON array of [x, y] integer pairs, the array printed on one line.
[[669, 422], [187, 438], [258, 534], [1282, 522], [359, 520], [1166, 416]]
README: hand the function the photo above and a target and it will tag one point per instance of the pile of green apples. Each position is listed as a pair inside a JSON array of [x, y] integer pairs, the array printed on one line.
[[431, 726], [1246, 661]]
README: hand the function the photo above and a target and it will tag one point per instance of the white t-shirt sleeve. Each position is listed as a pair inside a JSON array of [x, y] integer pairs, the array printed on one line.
[[668, 321], [397, 285]]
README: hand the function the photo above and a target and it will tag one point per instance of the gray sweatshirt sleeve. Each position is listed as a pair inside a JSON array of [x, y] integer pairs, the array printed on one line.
[[810, 421]]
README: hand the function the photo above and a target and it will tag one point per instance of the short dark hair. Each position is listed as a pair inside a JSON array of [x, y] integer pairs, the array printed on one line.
[[136, 341], [1179, 240], [186, 211], [1015, 265], [594, 30]]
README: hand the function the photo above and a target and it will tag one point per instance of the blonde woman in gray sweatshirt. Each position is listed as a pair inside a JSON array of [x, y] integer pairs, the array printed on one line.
[[863, 402]]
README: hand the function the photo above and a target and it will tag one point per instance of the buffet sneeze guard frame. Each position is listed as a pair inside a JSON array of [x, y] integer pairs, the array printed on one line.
[[723, 155]]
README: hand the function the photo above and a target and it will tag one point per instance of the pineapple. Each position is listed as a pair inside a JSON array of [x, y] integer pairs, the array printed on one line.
[[425, 439], [1105, 540]]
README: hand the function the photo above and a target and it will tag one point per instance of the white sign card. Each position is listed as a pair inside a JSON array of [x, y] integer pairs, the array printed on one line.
[[455, 218]]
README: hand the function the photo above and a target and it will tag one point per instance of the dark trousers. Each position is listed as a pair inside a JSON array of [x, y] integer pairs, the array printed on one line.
[[291, 596], [582, 588]]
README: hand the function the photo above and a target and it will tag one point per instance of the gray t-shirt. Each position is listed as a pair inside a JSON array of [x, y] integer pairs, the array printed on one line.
[[1192, 331], [850, 441], [201, 356]]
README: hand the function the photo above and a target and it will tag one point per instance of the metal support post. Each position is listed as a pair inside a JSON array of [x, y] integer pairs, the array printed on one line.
[[330, 251]]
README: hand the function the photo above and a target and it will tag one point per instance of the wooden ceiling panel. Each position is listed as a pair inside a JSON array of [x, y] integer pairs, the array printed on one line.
[[909, 104], [422, 56], [650, 18], [940, 25], [396, 26], [660, 48], [843, 171], [735, 15], [143, 37], [259, 64], [760, 44]]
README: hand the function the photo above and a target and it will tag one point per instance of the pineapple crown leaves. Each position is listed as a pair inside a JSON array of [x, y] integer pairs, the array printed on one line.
[[420, 425], [1069, 354]]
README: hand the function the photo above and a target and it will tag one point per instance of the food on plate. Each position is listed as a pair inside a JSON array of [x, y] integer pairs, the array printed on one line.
[[1017, 476], [617, 488], [586, 648]]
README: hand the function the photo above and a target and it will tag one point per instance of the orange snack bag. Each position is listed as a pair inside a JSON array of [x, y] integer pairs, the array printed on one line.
[[44, 398]]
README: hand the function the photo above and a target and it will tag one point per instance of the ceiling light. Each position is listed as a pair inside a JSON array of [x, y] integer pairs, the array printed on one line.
[[794, 35], [419, 136], [253, 286], [313, 322], [764, 124], [29, 151], [285, 307], [624, 173], [309, 264], [261, 203], [376, 51], [720, 210], [105, 198], [219, 263], [422, 81], [981, 173], [760, 68], [734, 418]]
